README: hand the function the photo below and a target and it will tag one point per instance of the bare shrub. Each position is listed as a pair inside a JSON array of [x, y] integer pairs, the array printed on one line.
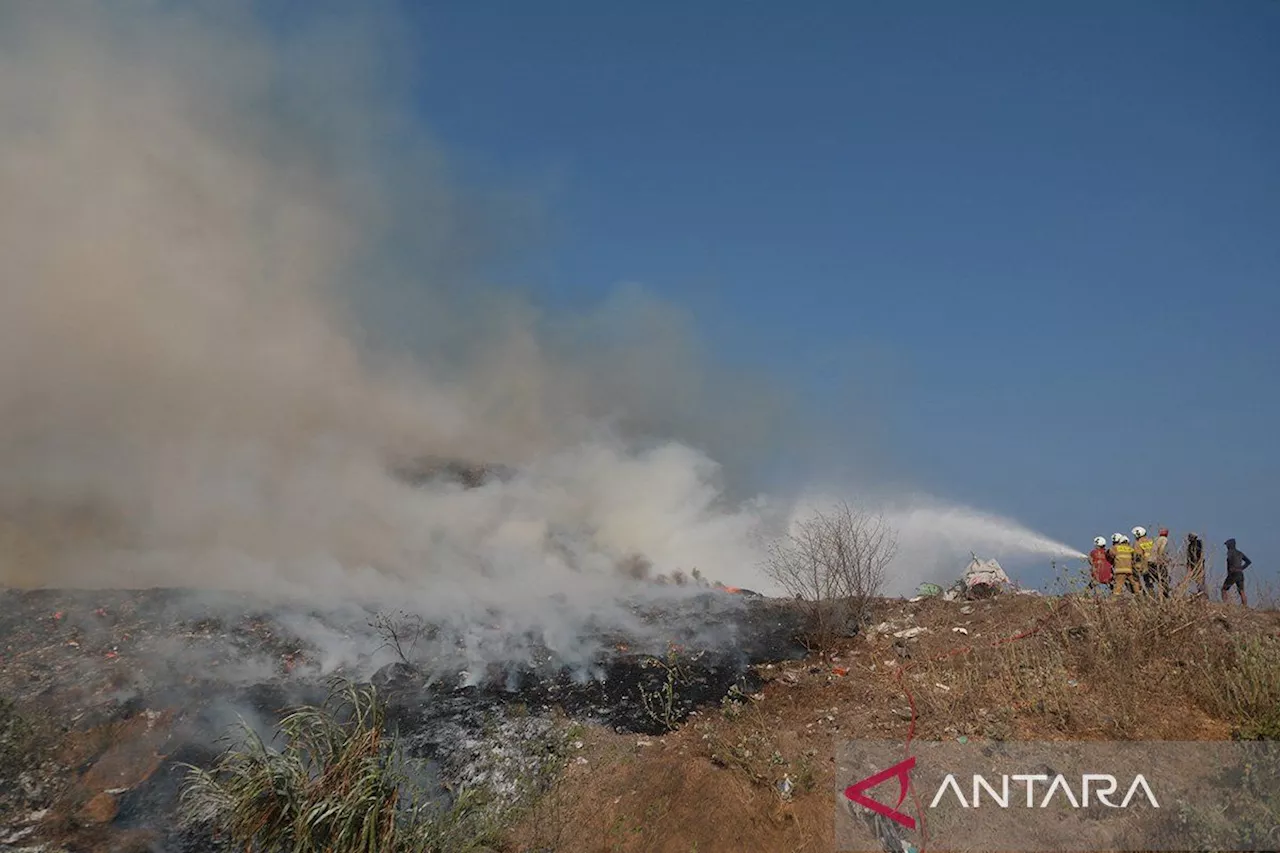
[[834, 563], [401, 632]]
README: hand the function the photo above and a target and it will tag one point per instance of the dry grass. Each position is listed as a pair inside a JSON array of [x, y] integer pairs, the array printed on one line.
[[1108, 667], [340, 784], [1042, 668]]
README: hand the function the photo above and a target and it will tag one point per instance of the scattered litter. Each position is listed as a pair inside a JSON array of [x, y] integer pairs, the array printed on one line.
[[785, 787], [950, 595], [57, 616], [944, 688], [884, 627], [967, 609], [962, 739], [841, 671], [580, 760], [914, 600], [1072, 683], [577, 744], [101, 611], [959, 630], [1027, 592], [928, 590], [909, 633], [644, 743]]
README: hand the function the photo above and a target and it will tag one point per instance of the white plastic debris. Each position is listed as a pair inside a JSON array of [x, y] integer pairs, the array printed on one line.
[[785, 787], [908, 633], [17, 835], [959, 630], [985, 576]]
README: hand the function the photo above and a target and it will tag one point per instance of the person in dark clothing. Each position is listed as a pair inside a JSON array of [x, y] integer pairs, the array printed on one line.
[[1195, 565], [1237, 562]]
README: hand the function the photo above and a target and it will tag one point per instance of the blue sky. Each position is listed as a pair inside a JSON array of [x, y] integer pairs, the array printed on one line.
[[1034, 249]]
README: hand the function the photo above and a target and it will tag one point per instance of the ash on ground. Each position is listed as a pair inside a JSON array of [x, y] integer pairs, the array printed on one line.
[[107, 693]]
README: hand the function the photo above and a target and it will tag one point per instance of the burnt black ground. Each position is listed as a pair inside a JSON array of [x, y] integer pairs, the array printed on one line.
[[88, 658]]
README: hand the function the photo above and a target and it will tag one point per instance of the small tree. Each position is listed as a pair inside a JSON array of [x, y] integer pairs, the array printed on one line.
[[834, 562]]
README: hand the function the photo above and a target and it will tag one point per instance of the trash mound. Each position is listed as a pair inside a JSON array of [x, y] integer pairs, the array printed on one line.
[[981, 579]]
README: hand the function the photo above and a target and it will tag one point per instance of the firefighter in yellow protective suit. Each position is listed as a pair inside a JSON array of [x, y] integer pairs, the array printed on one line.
[[1122, 559], [1144, 568]]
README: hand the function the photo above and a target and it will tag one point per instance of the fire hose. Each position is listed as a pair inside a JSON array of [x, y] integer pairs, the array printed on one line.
[[911, 702]]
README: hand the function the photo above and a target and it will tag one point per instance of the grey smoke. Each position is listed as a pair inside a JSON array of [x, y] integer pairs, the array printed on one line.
[[199, 217], [236, 284]]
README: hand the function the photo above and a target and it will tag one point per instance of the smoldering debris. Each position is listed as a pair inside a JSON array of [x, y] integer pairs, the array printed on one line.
[[184, 667]]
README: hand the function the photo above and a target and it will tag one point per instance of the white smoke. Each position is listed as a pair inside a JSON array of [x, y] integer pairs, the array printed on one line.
[[195, 210]]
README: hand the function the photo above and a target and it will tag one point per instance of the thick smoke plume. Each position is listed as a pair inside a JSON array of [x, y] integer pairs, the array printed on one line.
[[195, 208], [209, 218]]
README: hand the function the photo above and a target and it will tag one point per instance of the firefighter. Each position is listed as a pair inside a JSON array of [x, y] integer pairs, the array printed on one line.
[[1160, 561], [1122, 561], [1100, 561], [1143, 551]]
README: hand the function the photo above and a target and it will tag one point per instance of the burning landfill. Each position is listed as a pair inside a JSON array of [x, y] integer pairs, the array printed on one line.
[[205, 508], [90, 655]]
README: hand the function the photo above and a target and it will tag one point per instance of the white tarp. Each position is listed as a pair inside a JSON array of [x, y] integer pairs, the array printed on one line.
[[985, 573]]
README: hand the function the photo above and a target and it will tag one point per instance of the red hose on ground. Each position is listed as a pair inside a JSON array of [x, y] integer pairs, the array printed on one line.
[[911, 701]]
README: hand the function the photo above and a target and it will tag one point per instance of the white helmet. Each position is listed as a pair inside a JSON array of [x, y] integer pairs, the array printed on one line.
[[1117, 538], [1101, 542], [1124, 539], [1139, 532]]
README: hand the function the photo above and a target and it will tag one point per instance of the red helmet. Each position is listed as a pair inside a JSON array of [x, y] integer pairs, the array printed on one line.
[[1164, 531]]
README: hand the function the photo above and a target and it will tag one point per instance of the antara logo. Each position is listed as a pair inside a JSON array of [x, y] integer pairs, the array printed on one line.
[[1058, 784], [901, 770], [1101, 785]]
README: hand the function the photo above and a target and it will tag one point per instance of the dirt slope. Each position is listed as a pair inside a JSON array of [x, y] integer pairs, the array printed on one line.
[[758, 775]]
